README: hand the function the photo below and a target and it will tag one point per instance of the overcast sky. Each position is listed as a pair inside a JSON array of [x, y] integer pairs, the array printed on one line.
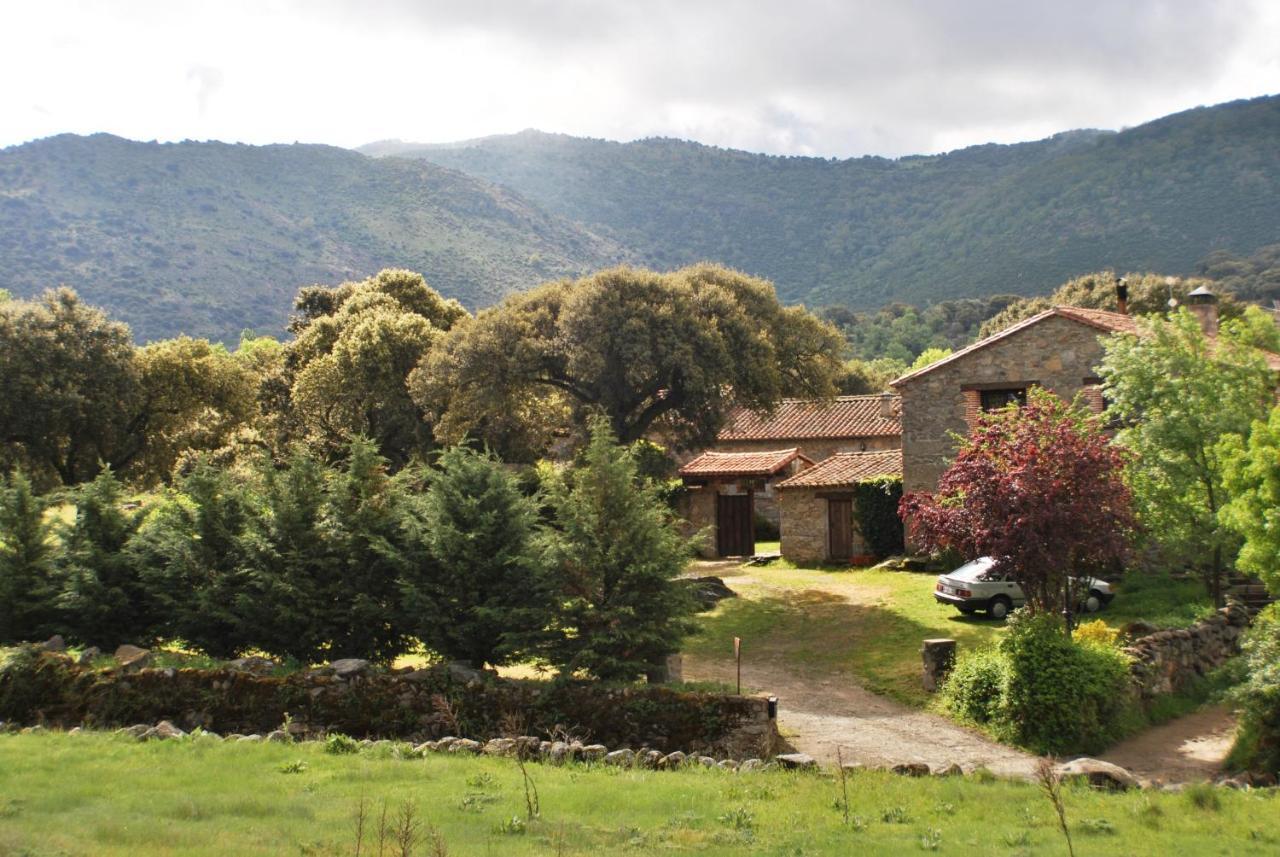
[[820, 77]]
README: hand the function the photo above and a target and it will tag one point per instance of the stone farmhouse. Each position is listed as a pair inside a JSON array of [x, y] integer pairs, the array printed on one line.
[[733, 487], [818, 522]]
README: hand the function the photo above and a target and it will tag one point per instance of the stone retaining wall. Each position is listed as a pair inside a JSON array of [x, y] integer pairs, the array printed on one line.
[[1169, 661], [39, 687]]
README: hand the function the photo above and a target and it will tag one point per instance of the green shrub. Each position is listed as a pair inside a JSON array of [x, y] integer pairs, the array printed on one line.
[[338, 744], [977, 685], [1039, 689], [1257, 744], [875, 507]]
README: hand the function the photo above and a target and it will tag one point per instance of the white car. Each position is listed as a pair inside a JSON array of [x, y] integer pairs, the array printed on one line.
[[974, 586]]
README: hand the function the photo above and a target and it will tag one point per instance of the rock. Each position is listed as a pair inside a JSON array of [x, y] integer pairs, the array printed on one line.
[[137, 730], [671, 761], [253, 665], [32, 730], [796, 761], [279, 736], [557, 753], [74, 731], [442, 746], [707, 592], [751, 765], [132, 657], [466, 745], [233, 737], [1240, 782], [648, 759], [528, 747], [297, 728], [464, 673], [952, 770], [706, 761], [250, 739], [620, 758], [416, 676], [162, 731], [88, 656], [1173, 788], [1099, 774], [500, 747], [729, 765], [54, 644], [1263, 780], [575, 751], [911, 769], [593, 752], [348, 667]]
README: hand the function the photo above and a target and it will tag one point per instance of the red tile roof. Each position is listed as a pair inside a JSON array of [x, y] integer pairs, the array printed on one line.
[[742, 463], [811, 419], [847, 468]]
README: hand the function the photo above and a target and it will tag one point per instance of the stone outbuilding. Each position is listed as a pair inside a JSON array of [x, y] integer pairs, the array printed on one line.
[[726, 490], [817, 427], [817, 506]]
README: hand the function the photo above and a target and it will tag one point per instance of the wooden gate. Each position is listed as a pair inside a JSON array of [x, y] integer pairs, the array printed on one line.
[[735, 525], [840, 528]]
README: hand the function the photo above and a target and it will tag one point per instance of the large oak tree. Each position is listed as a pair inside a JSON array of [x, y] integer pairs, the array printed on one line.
[[670, 352]]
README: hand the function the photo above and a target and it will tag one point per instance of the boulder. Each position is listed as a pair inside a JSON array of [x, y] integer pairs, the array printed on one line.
[[671, 761], [464, 673], [279, 736], [528, 746], [500, 747], [466, 745], [250, 739], [751, 765], [88, 656], [416, 676], [620, 758], [707, 592], [76, 730], [1099, 774], [348, 667], [796, 761], [729, 765], [557, 753], [593, 752], [137, 730], [911, 769], [162, 731], [132, 657], [648, 759], [444, 743], [706, 761], [54, 644], [952, 770]]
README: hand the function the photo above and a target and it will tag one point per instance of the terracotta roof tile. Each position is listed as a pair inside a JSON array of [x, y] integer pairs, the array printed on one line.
[[741, 463], [810, 419], [847, 468]]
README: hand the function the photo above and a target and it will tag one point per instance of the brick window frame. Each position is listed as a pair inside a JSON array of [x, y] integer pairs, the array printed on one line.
[[973, 396]]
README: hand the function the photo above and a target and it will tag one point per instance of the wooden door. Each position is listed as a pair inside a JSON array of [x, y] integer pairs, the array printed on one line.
[[735, 527], [840, 528]]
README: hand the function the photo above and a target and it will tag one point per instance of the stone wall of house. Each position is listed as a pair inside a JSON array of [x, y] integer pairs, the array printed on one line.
[[804, 527], [1057, 354], [698, 510], [356, 699], [1169, 661], [817, 449]]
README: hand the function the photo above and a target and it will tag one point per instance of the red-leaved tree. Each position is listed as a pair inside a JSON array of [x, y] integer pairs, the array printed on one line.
[[1040, 489]]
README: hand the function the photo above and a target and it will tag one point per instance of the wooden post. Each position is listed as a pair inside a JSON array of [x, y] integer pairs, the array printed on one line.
[[939, 657], [737, 656]]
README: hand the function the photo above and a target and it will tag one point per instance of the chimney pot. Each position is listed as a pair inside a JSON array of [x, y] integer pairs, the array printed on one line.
[[886, 405], [1204, 306], [1122, 296]]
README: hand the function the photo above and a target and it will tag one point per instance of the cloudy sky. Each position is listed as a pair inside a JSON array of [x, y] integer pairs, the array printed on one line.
[[824, 77]]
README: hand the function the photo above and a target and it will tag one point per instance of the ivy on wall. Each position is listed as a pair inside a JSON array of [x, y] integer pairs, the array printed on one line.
[[875, 511]]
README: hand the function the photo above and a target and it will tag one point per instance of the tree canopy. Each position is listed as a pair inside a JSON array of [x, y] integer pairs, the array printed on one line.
[[672, 352], [1177, 395]]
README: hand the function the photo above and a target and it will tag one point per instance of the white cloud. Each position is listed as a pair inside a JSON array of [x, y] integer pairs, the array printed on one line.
[[807, 77]]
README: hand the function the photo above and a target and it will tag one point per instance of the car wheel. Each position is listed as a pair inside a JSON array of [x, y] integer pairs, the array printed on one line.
[[1093, 603], [999, 607]]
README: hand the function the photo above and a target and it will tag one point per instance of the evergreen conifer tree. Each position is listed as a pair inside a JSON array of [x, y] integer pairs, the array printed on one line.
[[614, 558], [472, 586], [27, 563]]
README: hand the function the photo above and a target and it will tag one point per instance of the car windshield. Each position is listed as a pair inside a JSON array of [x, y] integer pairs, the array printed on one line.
[[974, 569]]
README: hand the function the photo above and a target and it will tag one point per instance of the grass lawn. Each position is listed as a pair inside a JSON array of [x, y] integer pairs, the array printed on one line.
[[868, 624], [102, 794]]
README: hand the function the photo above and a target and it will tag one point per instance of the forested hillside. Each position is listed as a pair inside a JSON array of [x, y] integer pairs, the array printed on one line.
[[210, 238], [867, 231]]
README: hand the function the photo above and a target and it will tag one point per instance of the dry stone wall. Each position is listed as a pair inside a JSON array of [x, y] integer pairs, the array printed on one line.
[[1170, 661]]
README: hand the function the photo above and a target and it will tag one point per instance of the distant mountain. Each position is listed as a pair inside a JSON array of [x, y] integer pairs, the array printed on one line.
[[210, 238], [862, 232]]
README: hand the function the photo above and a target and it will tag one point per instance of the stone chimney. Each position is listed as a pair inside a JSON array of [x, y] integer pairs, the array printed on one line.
[[1122, 296], [1204, 305], [886, 405]]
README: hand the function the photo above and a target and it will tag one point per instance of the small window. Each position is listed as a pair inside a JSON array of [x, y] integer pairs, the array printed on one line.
[[994, 400]]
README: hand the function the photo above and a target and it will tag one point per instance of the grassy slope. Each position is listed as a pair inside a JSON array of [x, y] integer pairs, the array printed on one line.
[[104, 795], [868, 625]]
